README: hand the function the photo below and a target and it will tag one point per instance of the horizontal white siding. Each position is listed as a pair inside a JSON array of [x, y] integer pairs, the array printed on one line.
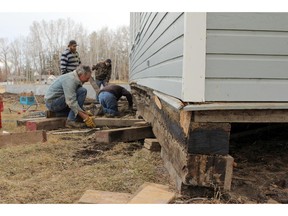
[[246, 57], [157, 55]]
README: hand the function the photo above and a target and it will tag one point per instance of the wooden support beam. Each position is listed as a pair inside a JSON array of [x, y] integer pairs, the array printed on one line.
[[21, 138], [46, 124], [116, 122], [210, 171], [123, 134], [209, 138], [241, 116], [22, 122]]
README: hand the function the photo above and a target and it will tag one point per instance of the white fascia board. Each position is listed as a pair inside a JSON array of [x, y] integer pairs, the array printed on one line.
[[194, 57]]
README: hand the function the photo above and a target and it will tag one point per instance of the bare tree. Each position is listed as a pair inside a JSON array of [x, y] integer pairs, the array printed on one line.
[[40, 52], [4, 52]]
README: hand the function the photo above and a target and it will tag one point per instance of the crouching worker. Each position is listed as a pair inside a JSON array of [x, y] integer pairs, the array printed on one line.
[[66, 96], [108, 98]]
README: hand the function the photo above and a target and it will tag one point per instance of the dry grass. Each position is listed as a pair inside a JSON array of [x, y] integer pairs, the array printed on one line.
[[62, 169]]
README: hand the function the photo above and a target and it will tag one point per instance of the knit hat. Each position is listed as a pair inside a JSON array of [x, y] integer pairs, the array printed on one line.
[[108, 61], [72, 42]]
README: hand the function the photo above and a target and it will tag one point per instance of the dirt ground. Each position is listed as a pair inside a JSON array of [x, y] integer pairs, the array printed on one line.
[[61, 171]]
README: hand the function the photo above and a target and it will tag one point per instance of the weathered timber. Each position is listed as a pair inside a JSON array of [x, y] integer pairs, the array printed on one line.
[[152, 144], [22, 122], [150, 193], [69, 131], [209, 138], [180, 136], [204, 170], [236, 106], [242, 116], [22, 138], [210, 170], [123, 134], [104, 197], [116, 122], [46, 124]]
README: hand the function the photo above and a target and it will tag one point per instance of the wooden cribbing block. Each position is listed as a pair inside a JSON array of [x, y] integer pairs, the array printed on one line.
[[104, 197], [116, 122], [152, 144], [22, 138], [22, 122], [150, 193], [123, 134], [46, 124]]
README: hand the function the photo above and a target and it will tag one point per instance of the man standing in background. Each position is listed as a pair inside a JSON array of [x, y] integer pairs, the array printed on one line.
[[102, 75], [70, 59], [102, 72]]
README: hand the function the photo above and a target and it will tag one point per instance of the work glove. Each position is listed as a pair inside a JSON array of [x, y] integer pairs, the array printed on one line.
[[88, 112], [89, 122]]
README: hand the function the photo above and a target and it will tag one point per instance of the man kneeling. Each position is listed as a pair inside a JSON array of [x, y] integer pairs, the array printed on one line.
[[66, 96]]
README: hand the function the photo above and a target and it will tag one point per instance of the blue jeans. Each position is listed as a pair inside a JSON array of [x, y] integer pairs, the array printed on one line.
[[60, 107], [99, 83], [109, 103]]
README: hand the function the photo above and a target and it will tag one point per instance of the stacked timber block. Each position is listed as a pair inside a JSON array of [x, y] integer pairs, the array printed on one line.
[[22, 138], [54, 123], [148, 193], [46, 124], [152, 144], [124, 134]]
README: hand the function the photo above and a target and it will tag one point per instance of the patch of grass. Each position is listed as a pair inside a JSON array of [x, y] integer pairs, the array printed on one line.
[[56, 172], [63, 168]]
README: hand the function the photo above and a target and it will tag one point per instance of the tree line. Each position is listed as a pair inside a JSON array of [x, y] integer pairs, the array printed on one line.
[[30, 58]]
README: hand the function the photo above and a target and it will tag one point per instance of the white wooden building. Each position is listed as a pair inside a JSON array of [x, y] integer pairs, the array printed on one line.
[[215, 69]]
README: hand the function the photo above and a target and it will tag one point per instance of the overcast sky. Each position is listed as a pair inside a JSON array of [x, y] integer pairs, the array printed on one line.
[[13, 24], [17, 15]]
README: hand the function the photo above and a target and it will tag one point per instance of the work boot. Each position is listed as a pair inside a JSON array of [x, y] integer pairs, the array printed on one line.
[[74, 124], [50, 114], [99, 110]]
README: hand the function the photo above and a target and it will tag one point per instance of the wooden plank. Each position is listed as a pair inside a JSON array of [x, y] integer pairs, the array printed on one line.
[[242, 116], [150, 193], [116, 122], [174, 102], [152, 144], [23, 138], [46, 124], [123, 134], [104, 197], [69, 131], [234, 106], [22, 122]]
